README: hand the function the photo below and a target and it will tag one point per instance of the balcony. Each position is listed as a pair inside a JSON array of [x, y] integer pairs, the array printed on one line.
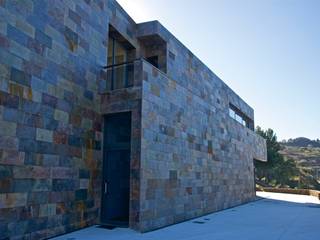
[[119, 76], [120, 87], [125, 75]]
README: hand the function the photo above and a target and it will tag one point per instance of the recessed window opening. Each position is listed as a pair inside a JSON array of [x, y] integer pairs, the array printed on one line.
[[120, 67], [154, 60], [240, 117]]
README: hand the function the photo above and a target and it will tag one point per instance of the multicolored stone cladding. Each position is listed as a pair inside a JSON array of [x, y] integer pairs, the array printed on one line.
[[50, 121], [195, 159], [188, 157]]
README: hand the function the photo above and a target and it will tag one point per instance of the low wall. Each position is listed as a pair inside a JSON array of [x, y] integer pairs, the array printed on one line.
[[314, 193], [292, 191]]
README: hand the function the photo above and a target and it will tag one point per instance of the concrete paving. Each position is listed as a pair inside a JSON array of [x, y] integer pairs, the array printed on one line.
[[275, 217]]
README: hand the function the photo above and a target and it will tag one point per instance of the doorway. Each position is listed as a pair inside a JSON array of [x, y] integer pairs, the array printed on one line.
[[116, 170]]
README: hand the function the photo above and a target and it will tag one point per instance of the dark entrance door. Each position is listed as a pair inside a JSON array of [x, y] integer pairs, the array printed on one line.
[[116, 169]]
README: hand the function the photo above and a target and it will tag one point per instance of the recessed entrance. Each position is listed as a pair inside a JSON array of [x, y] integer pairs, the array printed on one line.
[[116, 170]]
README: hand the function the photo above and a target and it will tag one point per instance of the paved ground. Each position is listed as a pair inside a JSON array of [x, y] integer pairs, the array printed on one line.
[[277, 216]]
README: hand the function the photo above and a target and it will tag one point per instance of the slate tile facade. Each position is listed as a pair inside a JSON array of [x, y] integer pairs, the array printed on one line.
[[188, 157]]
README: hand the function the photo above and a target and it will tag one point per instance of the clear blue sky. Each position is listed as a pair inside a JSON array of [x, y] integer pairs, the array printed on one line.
[[268, 51]]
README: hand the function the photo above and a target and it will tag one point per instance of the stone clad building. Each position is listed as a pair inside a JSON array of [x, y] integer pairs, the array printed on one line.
[[106, 121]]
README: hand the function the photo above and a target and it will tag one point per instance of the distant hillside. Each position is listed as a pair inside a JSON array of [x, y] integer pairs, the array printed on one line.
[[308, 162], [302, 142], [304, 156]]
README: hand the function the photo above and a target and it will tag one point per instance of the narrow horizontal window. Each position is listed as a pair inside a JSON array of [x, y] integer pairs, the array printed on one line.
[[240, 117], [232, 113]]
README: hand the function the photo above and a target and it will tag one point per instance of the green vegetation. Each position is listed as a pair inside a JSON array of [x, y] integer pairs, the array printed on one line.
[[283, 170]]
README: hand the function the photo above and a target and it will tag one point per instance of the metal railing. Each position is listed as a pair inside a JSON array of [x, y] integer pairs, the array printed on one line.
[[119, 76]]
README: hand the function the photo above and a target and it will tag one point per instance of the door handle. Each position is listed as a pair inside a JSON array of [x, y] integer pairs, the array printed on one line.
[[105, 187]]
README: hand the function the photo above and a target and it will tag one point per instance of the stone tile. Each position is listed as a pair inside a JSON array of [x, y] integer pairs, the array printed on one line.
[[17, 35], [27, 172], [25, 28], [84, 173], [50, 160], [42, 185], [38, 84], [22, 185], [86, 123], [4, 231], [49, 100], [44, 135], [47, 210], [155, 90], [11, 200], [36, 224], [28, 145], [8, 100], [8, 143], [43, 38], [22, 9], [61, 116], [81, 194], [10, 59], [72, 39], [52, 209], [24, 131], [84, 184], [59, 185], [4, 85], [18, 228], [4, 42], [16, 89], [8, 215], [76, 18], [6, 185], [60, 138], [8, 128], [20, 77], [9, 114], [20, 51], [12, 157], [5, 172], [36, 198], [63, 173], [50, 123]]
